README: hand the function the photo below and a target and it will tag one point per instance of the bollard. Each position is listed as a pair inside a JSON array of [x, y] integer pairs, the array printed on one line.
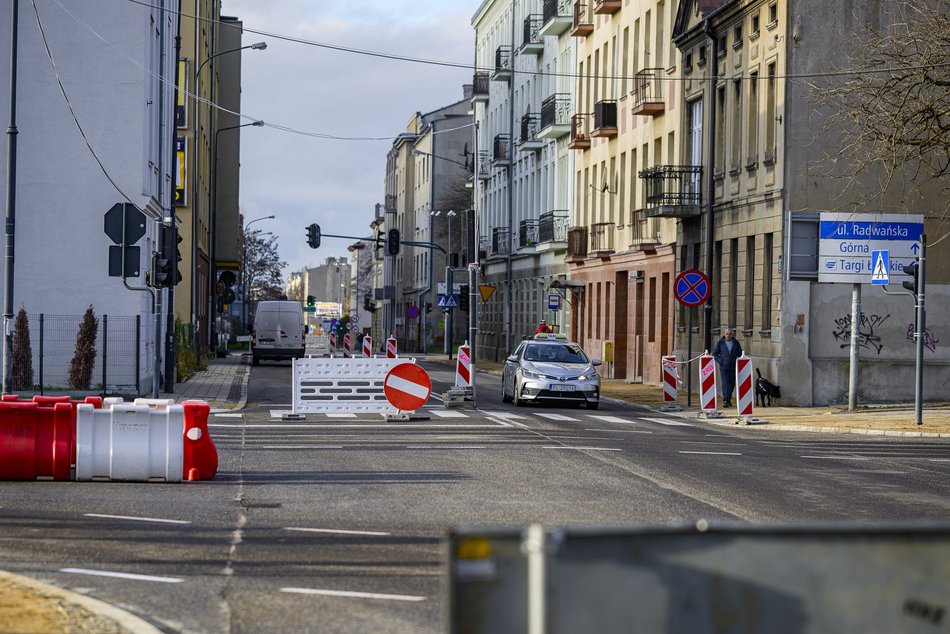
[[391, 346], [367, 346], [707, 383], [463, 367], [669, 379], [200, 456], [744, 385]]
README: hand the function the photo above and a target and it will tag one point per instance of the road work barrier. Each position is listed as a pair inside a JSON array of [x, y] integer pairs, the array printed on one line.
[[317, 345], [707, 383], [847, 579], [346, 345], [200, 456], [391, 348], [669, 379], [744, 385], [367, 347], [129, 442], [36, 441], [338, 385], [463, 367]]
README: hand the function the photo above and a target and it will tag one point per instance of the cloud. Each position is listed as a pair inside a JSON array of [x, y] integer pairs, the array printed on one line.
[[337, 183]]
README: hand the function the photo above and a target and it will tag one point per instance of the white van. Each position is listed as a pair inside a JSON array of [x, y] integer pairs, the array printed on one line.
[[278, 331]]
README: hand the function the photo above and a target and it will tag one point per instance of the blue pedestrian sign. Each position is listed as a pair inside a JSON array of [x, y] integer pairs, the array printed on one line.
[[880, 267], [448, 301], [554, 301]]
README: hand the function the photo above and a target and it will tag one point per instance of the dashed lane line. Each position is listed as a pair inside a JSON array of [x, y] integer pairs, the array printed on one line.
[[353, 595], [120, 575], [713, 453], [136, 519], [336, 531], [667, 421]]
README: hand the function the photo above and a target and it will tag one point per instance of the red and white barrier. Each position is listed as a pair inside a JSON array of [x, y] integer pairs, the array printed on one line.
[[36, 441], [463, 367], [391, 348], [669, 379], [744, 385], [367, 346], [707, 383], [346, 346], [332, 341], [199, 455]]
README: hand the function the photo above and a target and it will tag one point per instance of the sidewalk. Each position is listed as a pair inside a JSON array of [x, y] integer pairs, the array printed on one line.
[[223, 384]]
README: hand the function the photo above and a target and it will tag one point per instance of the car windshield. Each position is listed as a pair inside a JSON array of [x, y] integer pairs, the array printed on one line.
[[555, 353]]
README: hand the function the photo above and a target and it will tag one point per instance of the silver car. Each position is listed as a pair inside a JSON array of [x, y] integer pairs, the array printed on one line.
[[548, 368]]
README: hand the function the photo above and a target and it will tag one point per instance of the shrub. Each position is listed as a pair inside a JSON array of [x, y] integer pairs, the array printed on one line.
[[80, 370], [22, 378]]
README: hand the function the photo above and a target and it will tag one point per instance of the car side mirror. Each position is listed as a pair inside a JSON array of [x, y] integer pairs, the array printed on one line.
[[596, 362], [513, 358]]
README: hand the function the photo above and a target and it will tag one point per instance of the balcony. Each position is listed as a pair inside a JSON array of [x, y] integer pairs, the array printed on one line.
[[529, 141], [484, 165], [580, 137], [500, 156], [577, 244], [552, 227], [500, 243], [480, 87], [605, 119], [673, 191], [582, 24], [502, 64], [555, 116], [602, 239], [390, 204], [647, 93], [533, 42], [556, 17], [607, 7], [645, 232], [528, 234]]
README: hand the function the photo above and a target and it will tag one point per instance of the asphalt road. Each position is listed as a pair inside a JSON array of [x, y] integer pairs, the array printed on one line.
[[335, 524]]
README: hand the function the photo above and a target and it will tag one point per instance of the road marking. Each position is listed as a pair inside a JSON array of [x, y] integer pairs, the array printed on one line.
[[354, 595], [714, 453], [297, 447], [584, 448], [336, 531], [138, 519], [238, 415], [711, 442], [667, 421], [835, 457], [445, 446], [940, 460], [557, 417], [610, 419], [389, 426], [622, 431], [503, 414], [120, 575], [448, 413], [343, 415]]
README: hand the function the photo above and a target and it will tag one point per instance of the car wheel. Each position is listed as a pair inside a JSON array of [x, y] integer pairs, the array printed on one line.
[[593, 404], [504, 395], [516, 397]]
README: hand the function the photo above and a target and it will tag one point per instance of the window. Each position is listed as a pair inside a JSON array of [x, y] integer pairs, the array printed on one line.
[[737, 36], [719, 158], [736, 149], [721, 46], [773, 15], [652, 313], [755, 26], [770, 116], [702, 56], [752, 138], [767, 282], [716, 285], [749, 281], [625, 70], [684, 259], [733, 283], [688, 64], [622, 194]]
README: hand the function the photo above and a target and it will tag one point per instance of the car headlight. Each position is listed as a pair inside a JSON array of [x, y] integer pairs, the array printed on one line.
[[531, 375], [590, 375]]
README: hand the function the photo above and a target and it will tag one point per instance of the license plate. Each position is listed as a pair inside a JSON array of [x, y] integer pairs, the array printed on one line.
[[562, 388]]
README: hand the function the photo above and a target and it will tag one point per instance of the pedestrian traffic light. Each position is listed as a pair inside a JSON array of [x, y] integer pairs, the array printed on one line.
[[313, 235], [171, 251], [912, 270], [159, 273], [428, 307], [463, 298], [392, 242], [311, 300]]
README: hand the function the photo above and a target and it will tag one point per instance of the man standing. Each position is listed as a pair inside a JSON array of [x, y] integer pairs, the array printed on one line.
[[725, 353]]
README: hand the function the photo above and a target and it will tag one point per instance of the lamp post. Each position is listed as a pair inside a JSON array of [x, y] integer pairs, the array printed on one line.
[[244, 269], [257, 46], [418, 152], [10, 209]]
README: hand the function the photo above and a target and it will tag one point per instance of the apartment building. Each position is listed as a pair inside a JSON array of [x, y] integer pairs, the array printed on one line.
[[524, 184]]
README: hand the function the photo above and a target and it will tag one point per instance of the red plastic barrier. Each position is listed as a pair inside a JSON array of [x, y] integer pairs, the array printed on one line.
[[35, 441], [51, 401], [200, 457]]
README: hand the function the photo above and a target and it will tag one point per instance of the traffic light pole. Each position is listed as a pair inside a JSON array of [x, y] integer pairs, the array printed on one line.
[[919, 335]]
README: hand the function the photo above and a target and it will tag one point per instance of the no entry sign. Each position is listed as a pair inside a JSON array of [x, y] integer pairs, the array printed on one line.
[[407, 387], [691, 288]]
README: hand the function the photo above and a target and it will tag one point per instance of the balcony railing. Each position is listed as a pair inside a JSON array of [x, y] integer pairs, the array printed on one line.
[[555, 116], [552, 226], [529, 139], [484, 165], [527, 233], [556, 17], [500, 242], [500, 156], [480, 86], [605, 119], [580, 136], [602, 238], [576, 244], [673, 191], [583, 23], [607, 7], [645, 231], [502, 64], [390, 203], [533, 42], [647, 93]]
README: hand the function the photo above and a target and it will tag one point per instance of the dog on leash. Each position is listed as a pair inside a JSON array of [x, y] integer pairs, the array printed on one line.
[[765, 391]]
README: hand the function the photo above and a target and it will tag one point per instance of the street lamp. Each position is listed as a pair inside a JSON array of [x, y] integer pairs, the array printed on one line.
[[257, 46], [244, 269], [418, 152]]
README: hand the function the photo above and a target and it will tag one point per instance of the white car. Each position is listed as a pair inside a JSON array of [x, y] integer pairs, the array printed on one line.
[[550, 368]]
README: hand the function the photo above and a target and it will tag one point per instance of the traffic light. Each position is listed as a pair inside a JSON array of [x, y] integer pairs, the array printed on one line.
[[428, 307], [392, 242], [463, 298], [160, 271], [311, 300], [313, 235], [368, 304], [171, 242], [912, 270]]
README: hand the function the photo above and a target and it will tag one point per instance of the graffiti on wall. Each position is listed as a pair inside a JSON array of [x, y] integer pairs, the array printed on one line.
[[866, 337], [930, 342]]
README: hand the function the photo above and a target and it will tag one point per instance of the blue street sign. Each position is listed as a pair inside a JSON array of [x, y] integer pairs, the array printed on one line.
[[448, 301], [880, 268], [554, 301]]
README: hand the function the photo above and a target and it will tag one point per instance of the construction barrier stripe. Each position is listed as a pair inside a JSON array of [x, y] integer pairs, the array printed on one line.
[[669, 379], [414, 389], [707, 379], [744, 385]]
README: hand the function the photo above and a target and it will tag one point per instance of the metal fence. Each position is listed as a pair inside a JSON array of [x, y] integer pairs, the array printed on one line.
[[118, 350]]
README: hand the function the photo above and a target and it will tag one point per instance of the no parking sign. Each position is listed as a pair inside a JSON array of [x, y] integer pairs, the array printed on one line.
[[691, 288]]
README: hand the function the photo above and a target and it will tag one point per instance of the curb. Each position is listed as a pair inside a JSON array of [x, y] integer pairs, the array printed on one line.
[[126, 620]]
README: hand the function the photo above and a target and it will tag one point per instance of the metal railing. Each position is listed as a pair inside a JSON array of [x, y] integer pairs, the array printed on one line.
[[527, 233], [577, 242], [605, 114], [673, 184], [556, 8], [532, 28], [644, 229], [579, 129], [647, 92], [530, 124], [553, 226], [500, 241], [602, 237], [500, 148], [503, 59], [555, 110], [480, 82]]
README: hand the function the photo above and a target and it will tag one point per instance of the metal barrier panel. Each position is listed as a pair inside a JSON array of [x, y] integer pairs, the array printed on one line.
[[317, 345], [339, 385], [847, 579], [129, 442]]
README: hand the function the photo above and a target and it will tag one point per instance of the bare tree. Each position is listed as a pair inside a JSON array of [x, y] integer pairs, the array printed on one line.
[[262, 269], [891, 111]]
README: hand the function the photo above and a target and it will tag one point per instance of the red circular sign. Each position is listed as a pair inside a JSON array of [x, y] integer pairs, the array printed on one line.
[[691, 288], [407, 387]]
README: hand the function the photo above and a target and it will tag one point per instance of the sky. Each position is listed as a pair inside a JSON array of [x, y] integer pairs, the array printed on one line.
[[337, 183]]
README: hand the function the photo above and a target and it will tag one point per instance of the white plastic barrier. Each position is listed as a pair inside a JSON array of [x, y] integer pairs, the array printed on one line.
[[317, 345], [338, 385], [130, 442]]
